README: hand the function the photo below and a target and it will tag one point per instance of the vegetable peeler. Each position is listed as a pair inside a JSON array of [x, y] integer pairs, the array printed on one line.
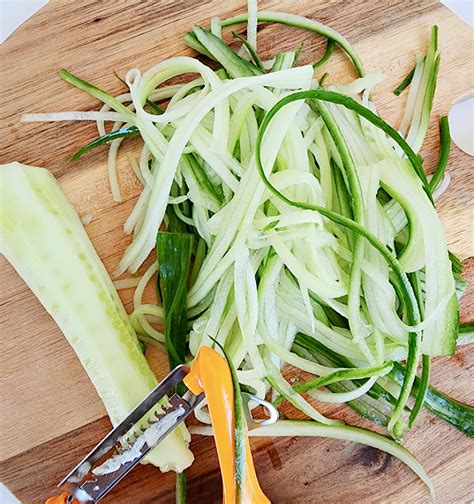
[[141, 431]]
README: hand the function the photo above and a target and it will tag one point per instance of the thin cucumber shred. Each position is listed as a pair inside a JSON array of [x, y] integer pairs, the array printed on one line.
[[327, 54], [305, 24], [302, 428], [405, 82], [109, 137], [174, 254], [444, 148], [456, 263], [425, 360], [95, 91], [233, 64], [256, 58], [466, 333], [456, 413]]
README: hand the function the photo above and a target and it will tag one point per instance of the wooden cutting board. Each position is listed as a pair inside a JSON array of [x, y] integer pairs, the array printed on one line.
[[50, 415]]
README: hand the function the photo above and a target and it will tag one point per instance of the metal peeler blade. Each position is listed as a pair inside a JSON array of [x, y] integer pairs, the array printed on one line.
[[123, 448]]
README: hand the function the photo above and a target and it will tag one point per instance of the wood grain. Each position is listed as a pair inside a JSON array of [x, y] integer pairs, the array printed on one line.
[[49, 413]]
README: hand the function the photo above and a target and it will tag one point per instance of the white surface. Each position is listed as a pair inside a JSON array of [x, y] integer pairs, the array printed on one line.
[[461, 115], [462, 8], [6, 497], [13, 13], [461, 124]]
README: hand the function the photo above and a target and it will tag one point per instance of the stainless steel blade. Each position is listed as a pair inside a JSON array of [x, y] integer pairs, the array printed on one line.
[[103, 477], [96, 486]]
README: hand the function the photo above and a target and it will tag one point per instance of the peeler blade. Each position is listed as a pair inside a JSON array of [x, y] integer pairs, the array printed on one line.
[[123, 448]]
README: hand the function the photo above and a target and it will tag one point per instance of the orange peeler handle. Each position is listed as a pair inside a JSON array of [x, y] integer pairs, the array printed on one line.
[[60, 499]]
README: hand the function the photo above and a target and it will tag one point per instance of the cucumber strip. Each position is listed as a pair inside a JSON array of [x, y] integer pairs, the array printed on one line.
[[234, 65], [251, 50], [142, 326], [412, 95], [237, 122], [374, 406], [426, 360], [355, 322], [456, 263], [174, 253], [405, 82], [284, 61], [191, 40], [74, 116], [305, 24], [318, 352], [252, 10], [120, 133], [96, 92], [428, 105], [349, 374], [425, 94], [350, 394], [180, 488], [216, 26], [51, 251], [342, 432], [325, 57], [421, 390], [444, 148], [301, 363], [323, 79], [298, 52], [276, 380], [155, 108], [201, 190], [246, 303], [456, 413], [466, 333]]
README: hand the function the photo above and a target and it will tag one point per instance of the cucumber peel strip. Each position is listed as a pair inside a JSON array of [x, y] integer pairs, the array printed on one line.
[[305, 24], [304, 428]]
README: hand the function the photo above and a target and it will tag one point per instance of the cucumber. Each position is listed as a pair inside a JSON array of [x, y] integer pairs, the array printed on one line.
[[43, 238]]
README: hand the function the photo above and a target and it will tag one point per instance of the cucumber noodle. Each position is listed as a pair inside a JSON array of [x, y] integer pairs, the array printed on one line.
[[310, 213], [302, 428]]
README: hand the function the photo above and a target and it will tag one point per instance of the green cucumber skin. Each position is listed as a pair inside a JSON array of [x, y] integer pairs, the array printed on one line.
[[174, 253], [452, 328], [121, 133], [458, 414], [233, 63], [305, 24]]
